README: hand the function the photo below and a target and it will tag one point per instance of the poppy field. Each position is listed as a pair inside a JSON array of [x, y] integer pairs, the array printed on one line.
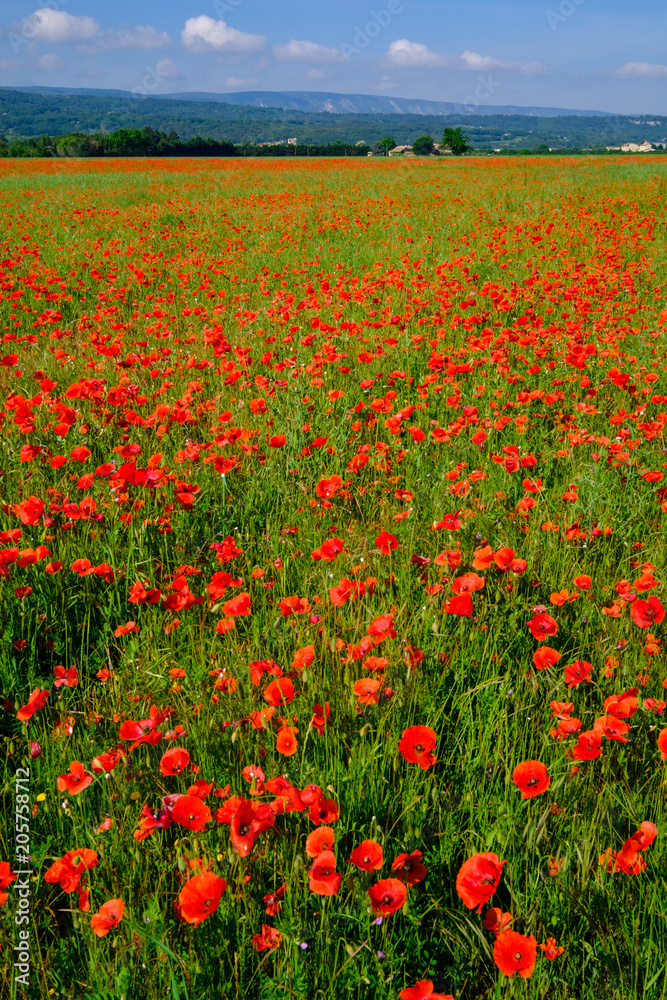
[[332, 501]]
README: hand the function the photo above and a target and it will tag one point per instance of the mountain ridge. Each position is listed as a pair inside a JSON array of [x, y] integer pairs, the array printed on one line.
[[324, 102]]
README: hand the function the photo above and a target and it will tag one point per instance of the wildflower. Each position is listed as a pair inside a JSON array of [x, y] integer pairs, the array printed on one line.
[[200, 897], [367, 857], [478, 879], [76, 780], [551, 950], [108, 916], [542, 626], [513, 952], [324, 880], [416, 746], [387, 896], [410, 867], [532, 778]]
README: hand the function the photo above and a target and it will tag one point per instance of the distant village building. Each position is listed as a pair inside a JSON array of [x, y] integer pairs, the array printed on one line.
[[633, 147]]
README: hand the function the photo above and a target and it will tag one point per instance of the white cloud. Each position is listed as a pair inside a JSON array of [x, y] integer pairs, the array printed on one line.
[[236, 83], [308, 52], [10, 65], [473, 60], [404, 54], [639, 70], [50, 25], [51, 63], [141, 37], [203, 33], [412, 55]]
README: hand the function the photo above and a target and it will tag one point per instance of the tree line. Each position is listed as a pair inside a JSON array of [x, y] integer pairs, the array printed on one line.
[[152, 142]]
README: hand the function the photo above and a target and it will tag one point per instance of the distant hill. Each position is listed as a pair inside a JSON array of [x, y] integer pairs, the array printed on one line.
[[336, 104], [54, 111]]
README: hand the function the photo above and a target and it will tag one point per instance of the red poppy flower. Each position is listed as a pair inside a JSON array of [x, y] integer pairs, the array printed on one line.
[[328, 550], [368, 856], [173, 761], [190, 812], [612, 728], [279, 692], [578, 672], [647, 613], [319, 840], [386, 543], [294, 606], [7, 876], [269, 938], [550, 950], [417, 744], [542, 626], [382, 628], [323, 877], [423, 990], [478, 879], [387, 896], [70, 869], [513, 952], [286, 741], [469, 583], [645, 835], [36, 701], [238, 606], [76, 780], [531, 777], [545, 657], [108, 916], [200, 897], [497, 921], [366, 691], [662, 743], [323, 811], [409, 867], [622, 706], [460, 605], [589, 745], [249, 821], [583, 582]]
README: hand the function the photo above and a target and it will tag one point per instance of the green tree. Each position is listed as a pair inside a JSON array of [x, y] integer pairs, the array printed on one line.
[[454, 139], [386, 145], [423, 146]]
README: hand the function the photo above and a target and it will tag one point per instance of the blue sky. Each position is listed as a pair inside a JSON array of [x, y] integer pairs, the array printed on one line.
[[600, 54]]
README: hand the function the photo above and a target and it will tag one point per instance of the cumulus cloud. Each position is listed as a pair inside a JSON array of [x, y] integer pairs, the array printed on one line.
[[641, 70], [308, 52], [59, 27], [50, 25], [237, 83], [404, 54], [51, 63], [204, 33], [10, 65]]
